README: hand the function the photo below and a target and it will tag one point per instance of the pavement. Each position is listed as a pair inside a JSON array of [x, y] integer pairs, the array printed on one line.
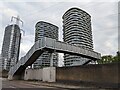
[[68, 86], [33, 85], [24, 85]]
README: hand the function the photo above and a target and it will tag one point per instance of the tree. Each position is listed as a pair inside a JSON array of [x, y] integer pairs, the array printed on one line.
[[110, 59], [117, 57], [105, 59]]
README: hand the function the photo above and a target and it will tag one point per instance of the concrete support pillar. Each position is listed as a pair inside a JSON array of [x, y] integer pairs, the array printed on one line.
[[51, 59], [10, 77], [15, 77]]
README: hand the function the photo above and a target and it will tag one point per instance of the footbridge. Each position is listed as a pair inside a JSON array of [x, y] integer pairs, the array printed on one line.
[[51, 45]]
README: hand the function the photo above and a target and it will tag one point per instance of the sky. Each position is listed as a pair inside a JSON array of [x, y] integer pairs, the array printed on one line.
[[104, 19]]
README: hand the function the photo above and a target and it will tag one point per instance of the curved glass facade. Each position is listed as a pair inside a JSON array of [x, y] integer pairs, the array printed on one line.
[[45, 29], [77, 31]]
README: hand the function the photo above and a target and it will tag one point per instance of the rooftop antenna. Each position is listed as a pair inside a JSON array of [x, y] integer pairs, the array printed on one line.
[[18, 20]]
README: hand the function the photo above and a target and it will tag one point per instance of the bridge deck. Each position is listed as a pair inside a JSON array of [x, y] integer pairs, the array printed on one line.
[[48, 44]]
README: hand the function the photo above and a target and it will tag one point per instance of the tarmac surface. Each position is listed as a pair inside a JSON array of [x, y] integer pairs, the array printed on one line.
[[16, 85], [39, 85]]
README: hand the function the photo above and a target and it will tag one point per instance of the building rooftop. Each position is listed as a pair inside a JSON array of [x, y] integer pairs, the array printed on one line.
[[76, 9]]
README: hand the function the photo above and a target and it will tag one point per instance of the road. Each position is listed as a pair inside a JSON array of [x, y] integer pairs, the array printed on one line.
[[23, 85], [27, 85]]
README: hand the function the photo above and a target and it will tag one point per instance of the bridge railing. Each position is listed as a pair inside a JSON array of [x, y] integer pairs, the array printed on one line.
[[54, 45], [62, 46]]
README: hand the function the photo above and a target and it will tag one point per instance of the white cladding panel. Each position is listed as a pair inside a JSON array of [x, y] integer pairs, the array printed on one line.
[[49, 74], [33, 74]]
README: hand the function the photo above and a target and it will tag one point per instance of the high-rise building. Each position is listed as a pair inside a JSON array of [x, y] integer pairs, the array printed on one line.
[[45, 29], [11, 46], [77, 31]]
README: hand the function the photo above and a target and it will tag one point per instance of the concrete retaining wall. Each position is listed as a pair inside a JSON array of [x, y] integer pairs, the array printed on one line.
[[33, 74], [101, 74], [46, 74], [49, 74]]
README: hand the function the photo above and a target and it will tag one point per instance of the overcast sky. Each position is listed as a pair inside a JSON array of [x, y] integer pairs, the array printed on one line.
[[104, 19]]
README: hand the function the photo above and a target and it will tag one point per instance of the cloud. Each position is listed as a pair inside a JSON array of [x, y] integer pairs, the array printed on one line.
[[103, 15], [9, 12], [61, 1], [60, 62], [26, 43]]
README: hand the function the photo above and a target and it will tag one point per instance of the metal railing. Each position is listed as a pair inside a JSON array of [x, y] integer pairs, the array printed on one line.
[[47, 44]]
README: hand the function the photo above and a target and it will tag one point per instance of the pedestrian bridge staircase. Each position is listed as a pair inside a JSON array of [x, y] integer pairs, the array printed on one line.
[[51, 45]]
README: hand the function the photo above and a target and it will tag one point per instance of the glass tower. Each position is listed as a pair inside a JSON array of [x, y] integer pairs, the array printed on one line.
[[45, 29], [11, 46], [77, 31]]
